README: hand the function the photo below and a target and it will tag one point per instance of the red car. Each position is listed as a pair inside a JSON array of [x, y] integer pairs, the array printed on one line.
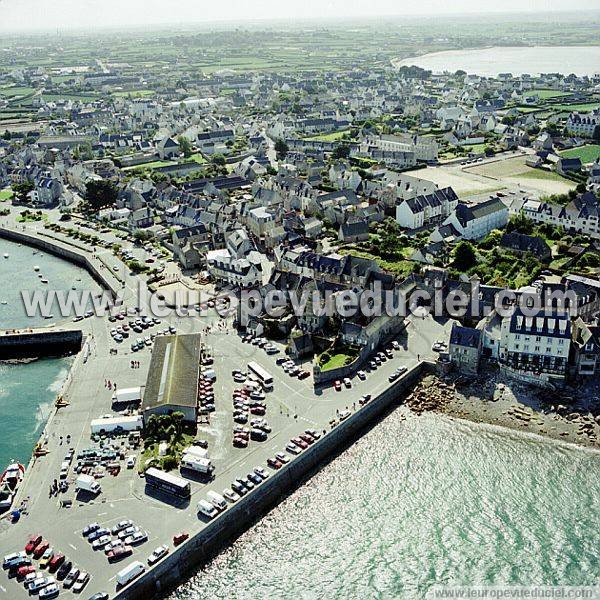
[[274, 463], [337, 385], [57, 560], [25, 570], [34, 540], [300, 442], [180, 537], [40, 549], [307, 438], [258, 410], [119, 553]]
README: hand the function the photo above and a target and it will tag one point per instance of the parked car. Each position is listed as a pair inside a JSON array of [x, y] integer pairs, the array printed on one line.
[[119, 553], [50, 591], [162, 551], [81, 582], [57, 560], [64, 569], [46, 558], [71, 578], [100, 542], [33, 541], [121, 525]]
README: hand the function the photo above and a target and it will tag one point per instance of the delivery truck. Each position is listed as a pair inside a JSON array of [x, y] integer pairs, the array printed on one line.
[[127, 395], [87, 483], [117, 424]]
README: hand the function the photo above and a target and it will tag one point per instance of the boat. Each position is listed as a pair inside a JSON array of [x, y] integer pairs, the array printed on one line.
[[44, 280], [10, 480], [49, 317], [6, 255], [36, 268], [4, 302]]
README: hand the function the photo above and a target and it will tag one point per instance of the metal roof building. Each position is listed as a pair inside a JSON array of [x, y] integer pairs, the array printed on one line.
[[172, 383]]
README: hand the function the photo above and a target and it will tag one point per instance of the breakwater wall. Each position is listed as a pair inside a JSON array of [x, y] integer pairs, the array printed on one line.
[[205, 544], [62, 250], [30, 344]]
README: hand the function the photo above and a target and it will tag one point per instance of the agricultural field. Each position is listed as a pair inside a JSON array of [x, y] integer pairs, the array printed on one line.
[[587, 154]]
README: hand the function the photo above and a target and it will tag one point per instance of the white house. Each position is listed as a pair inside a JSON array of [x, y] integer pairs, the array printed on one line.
[[475, 222], [425, 210], [535, 348]]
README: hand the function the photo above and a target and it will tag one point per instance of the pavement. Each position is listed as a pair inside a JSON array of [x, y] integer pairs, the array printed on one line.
[[293, 406]]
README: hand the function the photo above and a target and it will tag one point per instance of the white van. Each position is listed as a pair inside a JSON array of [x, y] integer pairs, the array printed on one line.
[[207, 509], [216, 500], [130, 572]]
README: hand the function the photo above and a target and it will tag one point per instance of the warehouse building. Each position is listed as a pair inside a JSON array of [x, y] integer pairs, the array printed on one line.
[[172, 383]]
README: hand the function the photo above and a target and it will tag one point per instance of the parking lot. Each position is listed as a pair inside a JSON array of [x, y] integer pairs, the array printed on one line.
[[292, 408]]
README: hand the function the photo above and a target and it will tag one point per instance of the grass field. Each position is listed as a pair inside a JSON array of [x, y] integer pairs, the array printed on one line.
[[544, 94], [542, 174], [6, 195], [587, 154], [584, 107]]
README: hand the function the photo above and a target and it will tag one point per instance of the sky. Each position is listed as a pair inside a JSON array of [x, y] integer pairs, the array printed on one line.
[[20, 15]]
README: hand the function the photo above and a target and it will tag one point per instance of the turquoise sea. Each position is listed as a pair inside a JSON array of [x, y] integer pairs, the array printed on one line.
[[416, 503], [27, 391]]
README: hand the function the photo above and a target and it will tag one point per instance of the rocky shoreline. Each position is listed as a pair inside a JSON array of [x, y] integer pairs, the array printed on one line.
[[497, 401]]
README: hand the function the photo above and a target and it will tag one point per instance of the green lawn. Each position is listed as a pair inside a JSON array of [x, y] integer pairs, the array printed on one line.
[[336, 361], [542, 174], [544, 94], [197, 158], [587, 154], [134, 93], [584, 107], [6, 195]]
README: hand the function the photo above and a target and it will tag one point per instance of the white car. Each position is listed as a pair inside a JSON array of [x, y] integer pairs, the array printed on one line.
[[291, 447], [100, 542], [137, 538], [282, 457], [50, 591], [125, 533], [81, 582], [157, 554], [41, 582], [231, 496], [362, 375]]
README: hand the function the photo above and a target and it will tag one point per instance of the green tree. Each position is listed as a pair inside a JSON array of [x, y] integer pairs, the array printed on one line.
[[100, 194], [464, 256], [22, 189], [281, 148], [218, 159], [185, 146], [341, 151]]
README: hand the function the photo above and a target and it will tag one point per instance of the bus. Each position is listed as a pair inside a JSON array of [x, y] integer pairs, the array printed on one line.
[[263, 376], [165, 482]]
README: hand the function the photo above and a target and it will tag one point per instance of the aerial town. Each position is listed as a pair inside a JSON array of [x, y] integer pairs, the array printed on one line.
[[175, 431]]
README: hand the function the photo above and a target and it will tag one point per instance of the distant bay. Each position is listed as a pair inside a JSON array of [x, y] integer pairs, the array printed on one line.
[[489, 62]]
